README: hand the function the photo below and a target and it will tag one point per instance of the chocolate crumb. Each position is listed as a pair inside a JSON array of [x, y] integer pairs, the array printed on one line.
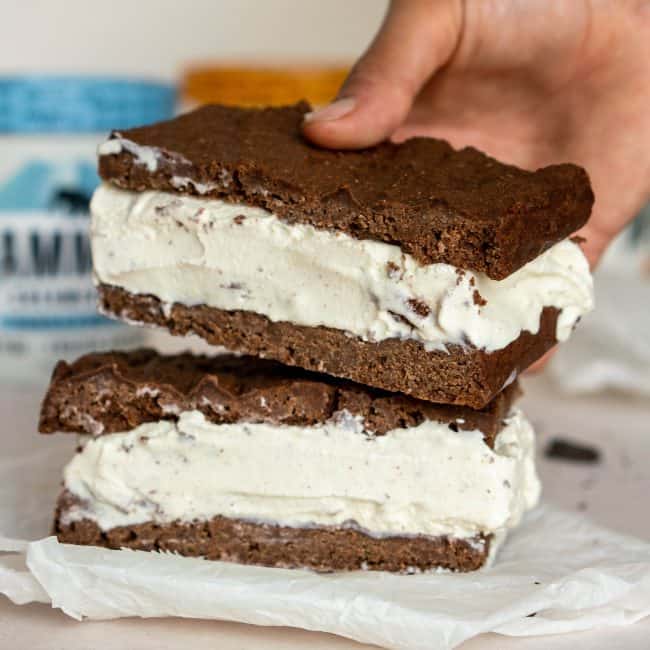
[[563, 449], [392, 270], [478, 298], [239, 219], [419, 307]]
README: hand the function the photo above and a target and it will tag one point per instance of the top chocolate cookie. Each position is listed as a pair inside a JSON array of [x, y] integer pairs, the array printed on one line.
[[438, 204], [108, 392]]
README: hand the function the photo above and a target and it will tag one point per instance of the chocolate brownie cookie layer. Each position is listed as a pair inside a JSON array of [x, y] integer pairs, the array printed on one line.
[[104, 393], [320, 549], [437, 204], [459, 375]]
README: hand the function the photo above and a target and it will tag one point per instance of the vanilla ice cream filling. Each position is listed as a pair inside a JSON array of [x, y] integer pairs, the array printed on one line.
[[236, 257], [423, 480]]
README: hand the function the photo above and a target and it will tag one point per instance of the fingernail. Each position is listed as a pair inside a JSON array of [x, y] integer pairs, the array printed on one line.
[[334, 111]]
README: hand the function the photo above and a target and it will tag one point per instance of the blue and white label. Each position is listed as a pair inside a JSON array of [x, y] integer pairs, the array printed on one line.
[[47, 298]]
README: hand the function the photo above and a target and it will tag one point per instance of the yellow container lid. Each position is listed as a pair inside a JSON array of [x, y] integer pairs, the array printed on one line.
[[262, 85]]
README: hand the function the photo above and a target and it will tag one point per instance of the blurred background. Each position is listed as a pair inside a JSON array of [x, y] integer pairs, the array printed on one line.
[[70, 71], [160, 38]]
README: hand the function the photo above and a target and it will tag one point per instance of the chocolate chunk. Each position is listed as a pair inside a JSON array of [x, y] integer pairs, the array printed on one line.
[[479, 299], [563, 449], [419, 307]]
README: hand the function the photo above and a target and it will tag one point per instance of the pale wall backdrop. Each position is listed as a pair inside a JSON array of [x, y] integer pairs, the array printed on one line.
[[156, 37]]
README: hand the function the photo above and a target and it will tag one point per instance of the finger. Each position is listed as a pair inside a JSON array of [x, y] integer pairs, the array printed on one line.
[[541, 363], [416, 38], [596, 240]]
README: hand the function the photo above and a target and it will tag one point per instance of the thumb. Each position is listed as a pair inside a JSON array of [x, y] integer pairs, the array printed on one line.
[[416, 38]]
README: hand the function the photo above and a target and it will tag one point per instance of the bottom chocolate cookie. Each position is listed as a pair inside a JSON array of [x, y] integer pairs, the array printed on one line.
[[458, 375], [318, 548]]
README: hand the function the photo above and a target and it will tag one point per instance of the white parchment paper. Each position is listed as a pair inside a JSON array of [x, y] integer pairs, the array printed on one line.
[[557, 573]]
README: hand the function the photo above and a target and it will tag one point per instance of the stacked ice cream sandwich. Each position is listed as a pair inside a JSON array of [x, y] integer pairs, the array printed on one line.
[[384, 301]]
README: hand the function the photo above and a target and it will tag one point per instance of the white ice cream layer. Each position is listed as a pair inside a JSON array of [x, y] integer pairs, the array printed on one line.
[[425, 480], [236, 257]]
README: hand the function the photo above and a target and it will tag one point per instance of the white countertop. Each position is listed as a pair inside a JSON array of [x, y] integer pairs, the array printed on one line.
[[612, 492]]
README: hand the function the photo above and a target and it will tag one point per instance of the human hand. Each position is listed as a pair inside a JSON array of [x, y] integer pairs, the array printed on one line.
[[531, 82]]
